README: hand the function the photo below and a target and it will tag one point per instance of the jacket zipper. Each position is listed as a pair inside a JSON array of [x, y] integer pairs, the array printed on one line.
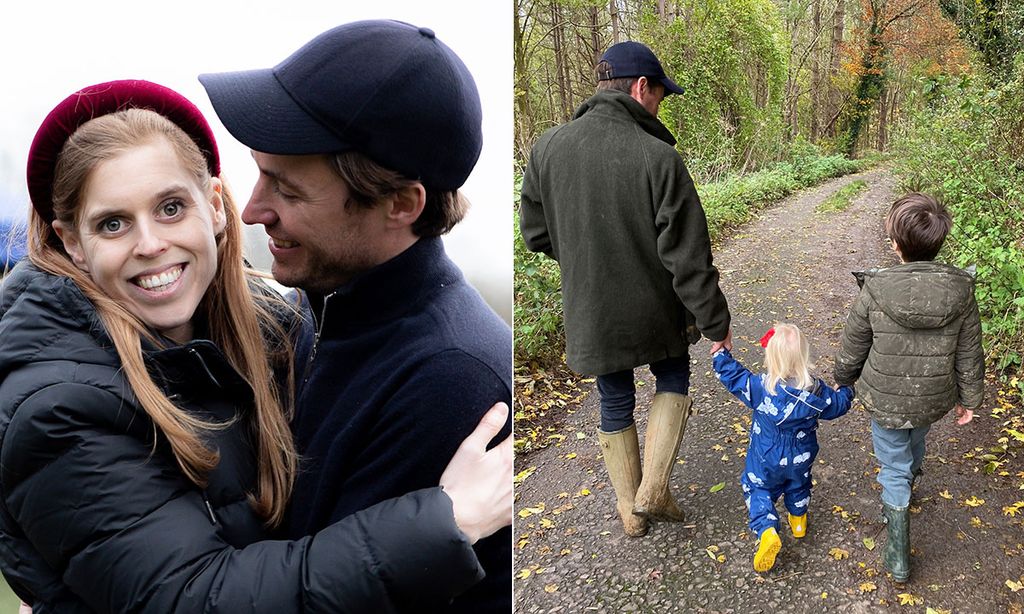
[[209, 508], [316, 340]]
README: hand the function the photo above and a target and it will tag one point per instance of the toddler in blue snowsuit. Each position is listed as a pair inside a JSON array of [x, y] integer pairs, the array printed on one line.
[[787, 403]]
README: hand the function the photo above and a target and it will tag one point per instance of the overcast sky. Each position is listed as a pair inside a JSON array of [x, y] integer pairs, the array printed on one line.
[[49, 49]]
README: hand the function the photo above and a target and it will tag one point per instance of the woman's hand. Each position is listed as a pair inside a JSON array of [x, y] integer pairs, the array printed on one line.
[[479, 481]]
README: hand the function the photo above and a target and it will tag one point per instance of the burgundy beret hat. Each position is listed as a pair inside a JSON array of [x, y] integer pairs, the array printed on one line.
[[102, 99]]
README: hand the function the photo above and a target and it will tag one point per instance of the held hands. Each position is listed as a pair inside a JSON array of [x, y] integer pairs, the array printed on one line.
[[963, 416], [724, 343], [479, 481]]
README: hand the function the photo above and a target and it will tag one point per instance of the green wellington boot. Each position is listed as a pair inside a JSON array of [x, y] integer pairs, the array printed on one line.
[[896, 554], [621, 451], [665, 425]]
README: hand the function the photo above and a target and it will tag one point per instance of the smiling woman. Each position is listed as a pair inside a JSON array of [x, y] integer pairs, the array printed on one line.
[[146, 224]]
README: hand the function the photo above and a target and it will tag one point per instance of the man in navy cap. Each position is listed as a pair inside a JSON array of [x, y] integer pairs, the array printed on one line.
[[609, 198], [363, 138]]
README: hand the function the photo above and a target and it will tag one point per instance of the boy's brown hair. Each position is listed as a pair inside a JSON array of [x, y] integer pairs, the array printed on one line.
[[918, 224]]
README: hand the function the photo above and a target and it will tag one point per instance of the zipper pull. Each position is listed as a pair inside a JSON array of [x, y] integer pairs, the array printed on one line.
[[209, 508]]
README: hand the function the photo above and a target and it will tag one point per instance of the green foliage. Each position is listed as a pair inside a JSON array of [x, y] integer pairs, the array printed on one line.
[[538, 331], [731, 57], [842, 198], [961, 146], [537, 312]]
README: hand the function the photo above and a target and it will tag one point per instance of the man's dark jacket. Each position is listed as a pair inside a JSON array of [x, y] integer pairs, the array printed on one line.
[[609, 198], [405, 360], [912, 343], [94, 517]]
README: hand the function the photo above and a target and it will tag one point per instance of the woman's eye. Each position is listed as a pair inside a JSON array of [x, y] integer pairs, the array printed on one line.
[[171, 208], [111, 225]]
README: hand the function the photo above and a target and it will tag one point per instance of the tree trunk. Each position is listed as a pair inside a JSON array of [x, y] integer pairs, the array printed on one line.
[[838, 26], [595, 37], [562, 70], [815, 72], [524, 114], [613, 8], [883, 120]]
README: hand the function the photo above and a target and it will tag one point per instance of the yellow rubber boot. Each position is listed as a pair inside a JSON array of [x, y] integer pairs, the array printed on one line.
[[767, 550], [798, 524]]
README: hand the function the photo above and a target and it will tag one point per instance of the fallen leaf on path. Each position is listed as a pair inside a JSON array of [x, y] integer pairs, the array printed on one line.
[[974, 502], [869, 543], [581, 435], [1012, 510], [654, 575], [546, 523], [945, 494], [931, 610], [717, 487], [570, 456], [524, 574], [1015, 586], [908, 599], [867, 587], [526, 512], [838, 553], [550, 588], [522, 475], [584, 492]]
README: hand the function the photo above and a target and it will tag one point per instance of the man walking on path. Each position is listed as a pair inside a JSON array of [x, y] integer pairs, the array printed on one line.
[[608, 197], [363, 138]]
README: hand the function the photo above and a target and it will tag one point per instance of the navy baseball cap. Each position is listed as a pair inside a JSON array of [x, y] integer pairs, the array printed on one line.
[[387, 89], [633, 59]]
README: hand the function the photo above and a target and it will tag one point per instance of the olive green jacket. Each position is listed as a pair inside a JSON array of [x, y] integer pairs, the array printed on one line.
[[609, 198], [913, 339]]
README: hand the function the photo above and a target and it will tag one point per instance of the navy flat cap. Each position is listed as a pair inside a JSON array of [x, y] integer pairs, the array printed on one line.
[[633, 59], [387, 89]]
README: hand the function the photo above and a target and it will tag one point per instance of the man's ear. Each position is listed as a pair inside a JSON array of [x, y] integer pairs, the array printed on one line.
[[72, 244], [639, 88], [406, 205], [220, 219]]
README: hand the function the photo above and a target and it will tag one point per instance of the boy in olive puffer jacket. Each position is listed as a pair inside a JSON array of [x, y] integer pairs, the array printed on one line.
[[913, 340]]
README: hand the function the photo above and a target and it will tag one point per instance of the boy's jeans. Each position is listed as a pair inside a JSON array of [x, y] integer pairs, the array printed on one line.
[[618, 390], [900, 452]]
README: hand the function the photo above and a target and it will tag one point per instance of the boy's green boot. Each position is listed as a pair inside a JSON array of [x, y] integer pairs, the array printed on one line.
[[896, 554]]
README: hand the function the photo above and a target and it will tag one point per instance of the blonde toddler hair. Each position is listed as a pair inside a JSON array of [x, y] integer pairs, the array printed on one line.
[[787, 359]]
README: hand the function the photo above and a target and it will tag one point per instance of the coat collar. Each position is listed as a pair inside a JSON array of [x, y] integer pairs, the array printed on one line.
[[387, 291], [621, 103]]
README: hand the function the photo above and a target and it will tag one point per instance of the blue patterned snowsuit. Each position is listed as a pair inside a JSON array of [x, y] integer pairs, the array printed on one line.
[[783, 442]]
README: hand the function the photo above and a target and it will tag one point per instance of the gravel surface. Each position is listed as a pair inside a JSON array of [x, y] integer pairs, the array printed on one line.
[[788, 264]]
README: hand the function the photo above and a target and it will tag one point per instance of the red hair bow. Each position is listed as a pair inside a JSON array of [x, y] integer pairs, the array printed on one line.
[[767, 337]]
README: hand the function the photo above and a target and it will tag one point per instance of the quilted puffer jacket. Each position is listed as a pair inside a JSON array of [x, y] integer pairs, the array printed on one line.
[[95, 514], [913, 339]]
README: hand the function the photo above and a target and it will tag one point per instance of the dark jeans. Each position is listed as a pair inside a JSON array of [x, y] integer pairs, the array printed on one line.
[[618, 390]]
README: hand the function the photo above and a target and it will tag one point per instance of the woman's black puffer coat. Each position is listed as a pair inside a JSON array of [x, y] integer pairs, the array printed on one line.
[[94, 517]]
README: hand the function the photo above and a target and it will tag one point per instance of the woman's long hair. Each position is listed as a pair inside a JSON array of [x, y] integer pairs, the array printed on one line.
[[237, 321], [787, 359]]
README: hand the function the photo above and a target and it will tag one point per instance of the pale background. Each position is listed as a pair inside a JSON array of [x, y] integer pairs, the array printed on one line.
[[50, 49]]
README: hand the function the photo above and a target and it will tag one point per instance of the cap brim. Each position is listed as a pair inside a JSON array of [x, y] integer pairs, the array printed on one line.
[[260, 113], [670, 86]]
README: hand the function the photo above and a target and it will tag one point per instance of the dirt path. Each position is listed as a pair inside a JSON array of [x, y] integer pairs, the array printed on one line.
[[794, 264]]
